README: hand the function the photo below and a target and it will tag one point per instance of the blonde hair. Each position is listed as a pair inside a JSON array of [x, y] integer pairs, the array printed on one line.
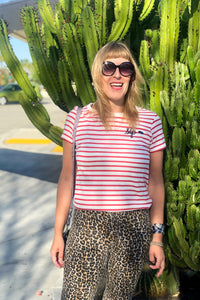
[[133, 96]]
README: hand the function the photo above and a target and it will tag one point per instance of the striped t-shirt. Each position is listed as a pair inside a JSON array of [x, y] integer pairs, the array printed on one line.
[[113, 165]]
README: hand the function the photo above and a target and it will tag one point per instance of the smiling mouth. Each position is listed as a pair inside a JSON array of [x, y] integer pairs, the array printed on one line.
[[116, 84]]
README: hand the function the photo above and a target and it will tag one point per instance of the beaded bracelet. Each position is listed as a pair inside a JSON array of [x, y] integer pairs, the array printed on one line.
[[158, 228], [156, 244]]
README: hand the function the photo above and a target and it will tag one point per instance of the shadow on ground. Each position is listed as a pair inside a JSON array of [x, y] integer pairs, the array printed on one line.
[[37, 165], [27, 206]]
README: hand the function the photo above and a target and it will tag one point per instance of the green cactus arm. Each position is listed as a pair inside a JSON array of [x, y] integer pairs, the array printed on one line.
[[156, 86], [181, 207], [190, 263], [195, 138], [145, 60], [191, 63], [187, 99], [188, 133], [77, 64], [182, 188], [55, 134], [171, 193], [193, 169], [50, 45], [100, 20], [14, 65], [147, 8], [176, 261], [164, 30], [179, 110], [172, 206], [40, 119], [198, 215], [194, 253], [155, 45], [123, 21], [178, 142], [192, 236], [180, 233], [170, 30], [46, 13], [173, 29], [182, 174], [69, 97], [197, 97], [90, 40], [118, 8], [77, 6], [197, 88], [168, 108], [66, 5], [190, 116], [171, 168], [40, 59], [193, 28], [60, 18], [173, 241], [175, 168], [191, 217]]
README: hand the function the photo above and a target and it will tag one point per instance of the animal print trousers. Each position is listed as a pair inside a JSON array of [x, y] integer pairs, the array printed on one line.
[[109, 247]]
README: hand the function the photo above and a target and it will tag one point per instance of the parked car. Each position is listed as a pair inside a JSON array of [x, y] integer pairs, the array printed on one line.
[[9, 93]]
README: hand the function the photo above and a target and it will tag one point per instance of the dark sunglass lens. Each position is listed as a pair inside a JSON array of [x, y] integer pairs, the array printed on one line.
[[108, 68], [127, 69]]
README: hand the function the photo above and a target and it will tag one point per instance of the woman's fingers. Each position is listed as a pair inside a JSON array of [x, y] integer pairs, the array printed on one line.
[[157, 258], [57, 253]]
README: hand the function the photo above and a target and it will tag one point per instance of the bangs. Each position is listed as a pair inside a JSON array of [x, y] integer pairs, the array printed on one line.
[[115, 50], [116, 54]]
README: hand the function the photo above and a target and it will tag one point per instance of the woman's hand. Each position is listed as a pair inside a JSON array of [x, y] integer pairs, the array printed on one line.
[[57, 252], [157, 257], [64, 191]]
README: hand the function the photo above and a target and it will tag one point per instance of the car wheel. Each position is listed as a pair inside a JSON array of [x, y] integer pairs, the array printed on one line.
[[3, 100]]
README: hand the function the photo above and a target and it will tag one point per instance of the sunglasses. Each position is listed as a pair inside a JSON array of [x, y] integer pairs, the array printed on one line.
[[126, 69]]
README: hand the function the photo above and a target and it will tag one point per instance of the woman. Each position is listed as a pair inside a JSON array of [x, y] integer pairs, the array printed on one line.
[[119, 194]]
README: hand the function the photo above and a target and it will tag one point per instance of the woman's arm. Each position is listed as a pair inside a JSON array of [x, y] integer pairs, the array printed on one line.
[[156, 192], [64, 192]]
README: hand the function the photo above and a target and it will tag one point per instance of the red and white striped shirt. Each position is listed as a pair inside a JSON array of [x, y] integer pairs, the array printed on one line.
[[113, 165]]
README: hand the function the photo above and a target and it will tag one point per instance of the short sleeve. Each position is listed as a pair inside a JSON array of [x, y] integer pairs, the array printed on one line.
[[158, 139], [67, 134]]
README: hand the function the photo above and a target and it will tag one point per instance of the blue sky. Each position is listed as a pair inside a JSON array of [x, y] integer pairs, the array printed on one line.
[[20, 48]]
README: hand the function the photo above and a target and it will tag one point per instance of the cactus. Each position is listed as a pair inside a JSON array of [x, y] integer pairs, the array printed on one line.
[[173, 79]]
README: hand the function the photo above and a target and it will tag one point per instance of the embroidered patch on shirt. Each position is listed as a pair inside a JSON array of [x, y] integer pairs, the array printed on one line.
[[132, 132]]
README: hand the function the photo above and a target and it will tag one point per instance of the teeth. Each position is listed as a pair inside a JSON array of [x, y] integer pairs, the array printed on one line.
[[116, 84]]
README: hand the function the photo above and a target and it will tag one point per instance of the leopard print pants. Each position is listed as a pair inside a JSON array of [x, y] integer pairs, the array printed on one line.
[[111, 245]]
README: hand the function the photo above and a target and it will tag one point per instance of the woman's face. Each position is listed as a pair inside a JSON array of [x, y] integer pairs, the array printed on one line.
[[115, 86]]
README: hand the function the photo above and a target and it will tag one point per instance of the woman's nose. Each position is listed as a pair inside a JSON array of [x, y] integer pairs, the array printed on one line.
[[117, 73]]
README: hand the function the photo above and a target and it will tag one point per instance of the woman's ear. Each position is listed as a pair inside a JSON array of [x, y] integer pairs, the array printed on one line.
[[133, 77]]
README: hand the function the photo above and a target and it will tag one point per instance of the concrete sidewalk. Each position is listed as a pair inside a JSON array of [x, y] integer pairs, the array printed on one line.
[[28, 175]]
